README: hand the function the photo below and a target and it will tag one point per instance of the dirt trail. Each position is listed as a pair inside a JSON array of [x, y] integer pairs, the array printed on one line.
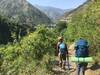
[[91, 69]]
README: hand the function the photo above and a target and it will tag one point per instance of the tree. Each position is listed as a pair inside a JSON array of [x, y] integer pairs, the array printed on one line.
[[5, 34], [61, 25]]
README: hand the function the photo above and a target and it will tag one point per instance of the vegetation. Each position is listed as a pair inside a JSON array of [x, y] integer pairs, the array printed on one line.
[[11, 31], [61, 25], [84, 24], [5, 34], [33, 53]]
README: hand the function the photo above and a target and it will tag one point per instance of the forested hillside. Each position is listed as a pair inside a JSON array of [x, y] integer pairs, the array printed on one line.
[[11, 31], [85, 23], [17, 18]]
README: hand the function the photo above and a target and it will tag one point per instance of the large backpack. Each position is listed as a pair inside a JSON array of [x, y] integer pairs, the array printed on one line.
[[62, 48], [81, 47]]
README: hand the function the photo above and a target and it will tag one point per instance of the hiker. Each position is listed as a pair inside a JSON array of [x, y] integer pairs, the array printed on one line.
[[62, 52], [81, 50]]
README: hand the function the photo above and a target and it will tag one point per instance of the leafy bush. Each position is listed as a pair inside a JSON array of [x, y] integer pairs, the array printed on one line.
[[29, 56]]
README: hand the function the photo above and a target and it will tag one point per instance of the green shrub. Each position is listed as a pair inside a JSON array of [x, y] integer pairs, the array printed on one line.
[[30, 55]]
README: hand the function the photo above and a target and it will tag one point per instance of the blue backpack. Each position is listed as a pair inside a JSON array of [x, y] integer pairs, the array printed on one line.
[[62, 48], [81, 47]]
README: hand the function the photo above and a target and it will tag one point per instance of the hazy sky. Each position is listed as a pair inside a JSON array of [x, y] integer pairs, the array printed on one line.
[[64, 4]]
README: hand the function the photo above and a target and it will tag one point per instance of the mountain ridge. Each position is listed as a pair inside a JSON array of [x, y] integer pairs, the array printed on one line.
[[23, 12], [53, 12], [75, 10]]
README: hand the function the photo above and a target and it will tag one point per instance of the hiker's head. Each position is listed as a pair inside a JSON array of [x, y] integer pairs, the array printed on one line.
[[60, 39]]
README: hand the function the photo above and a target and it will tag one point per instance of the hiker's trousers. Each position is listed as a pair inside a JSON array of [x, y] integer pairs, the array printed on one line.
[[81, 67]]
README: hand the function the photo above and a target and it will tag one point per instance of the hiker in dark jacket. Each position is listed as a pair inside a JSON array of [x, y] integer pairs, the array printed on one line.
[[62, 52], [81, 50]]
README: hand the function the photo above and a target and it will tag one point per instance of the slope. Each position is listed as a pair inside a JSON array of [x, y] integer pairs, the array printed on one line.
[[22, 12], [85, 23]]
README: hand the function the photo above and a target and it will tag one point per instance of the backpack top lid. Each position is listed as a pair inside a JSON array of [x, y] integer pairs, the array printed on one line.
[[81, 42], [81, 48]]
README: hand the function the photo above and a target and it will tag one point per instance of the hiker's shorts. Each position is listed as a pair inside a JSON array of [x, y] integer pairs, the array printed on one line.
[[62, 56]]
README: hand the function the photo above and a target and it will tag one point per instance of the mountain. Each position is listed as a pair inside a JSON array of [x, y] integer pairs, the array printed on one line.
[[52, 12], [23, 12], [81, 8]]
